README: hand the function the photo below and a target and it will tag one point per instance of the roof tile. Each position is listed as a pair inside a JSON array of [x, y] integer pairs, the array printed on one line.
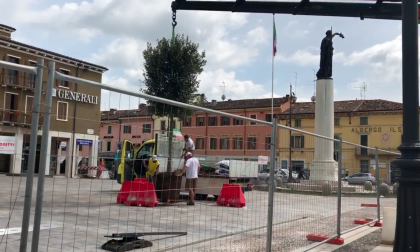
[[348, 106]]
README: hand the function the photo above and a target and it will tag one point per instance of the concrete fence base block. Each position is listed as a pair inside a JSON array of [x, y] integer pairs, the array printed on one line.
[[388, 226]]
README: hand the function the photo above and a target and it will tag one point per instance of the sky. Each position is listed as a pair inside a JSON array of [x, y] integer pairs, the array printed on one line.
[[238, 46]]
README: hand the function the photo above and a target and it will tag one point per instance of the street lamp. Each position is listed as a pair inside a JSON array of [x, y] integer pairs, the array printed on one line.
[[291, 100], [407, 230]]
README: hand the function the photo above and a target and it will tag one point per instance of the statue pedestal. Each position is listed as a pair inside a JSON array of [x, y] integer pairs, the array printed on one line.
[[324, 167]]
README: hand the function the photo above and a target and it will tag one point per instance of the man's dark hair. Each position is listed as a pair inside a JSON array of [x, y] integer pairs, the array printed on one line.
[[186, 136]]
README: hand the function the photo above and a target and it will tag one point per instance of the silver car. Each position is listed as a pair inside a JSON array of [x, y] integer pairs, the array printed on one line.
[[361, 178]]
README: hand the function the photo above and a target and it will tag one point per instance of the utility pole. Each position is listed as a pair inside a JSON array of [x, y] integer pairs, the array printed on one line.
[[290, 135]]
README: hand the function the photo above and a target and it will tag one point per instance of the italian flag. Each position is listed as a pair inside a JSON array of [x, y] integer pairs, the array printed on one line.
[[274, 38], [178, 134]]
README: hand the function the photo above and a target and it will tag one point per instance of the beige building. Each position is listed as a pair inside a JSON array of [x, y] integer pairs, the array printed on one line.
[[75, 116]]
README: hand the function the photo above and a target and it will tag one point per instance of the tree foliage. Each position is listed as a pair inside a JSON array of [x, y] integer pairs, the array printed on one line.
[[171, 71]]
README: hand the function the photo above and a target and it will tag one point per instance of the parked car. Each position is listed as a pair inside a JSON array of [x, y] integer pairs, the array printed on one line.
[[360, 178], [282, 174]]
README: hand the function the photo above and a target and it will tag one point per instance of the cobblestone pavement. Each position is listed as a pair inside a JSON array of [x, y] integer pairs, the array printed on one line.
[[77, 213]]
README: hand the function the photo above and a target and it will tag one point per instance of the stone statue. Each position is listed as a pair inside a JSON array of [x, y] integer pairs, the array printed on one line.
[[325, 64]]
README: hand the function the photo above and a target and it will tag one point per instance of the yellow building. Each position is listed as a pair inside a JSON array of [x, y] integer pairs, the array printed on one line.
[[373, 123]]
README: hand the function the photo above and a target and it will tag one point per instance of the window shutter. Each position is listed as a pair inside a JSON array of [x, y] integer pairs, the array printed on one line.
[[302, 142], [292, 142]]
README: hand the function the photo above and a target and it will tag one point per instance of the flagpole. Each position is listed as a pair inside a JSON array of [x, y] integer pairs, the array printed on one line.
[[272, 72]]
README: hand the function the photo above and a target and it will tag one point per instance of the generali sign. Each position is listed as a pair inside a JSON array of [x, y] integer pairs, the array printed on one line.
[[7, 145], [75, 96]]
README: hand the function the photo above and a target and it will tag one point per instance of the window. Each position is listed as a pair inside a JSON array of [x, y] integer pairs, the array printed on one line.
[[225, 121], [187, 122], [162, 125], [297, 141], [108, 146], [337, 121], [62, 83], [147, 128], [12, 76], [224, 143], [364, 120], [109, 131], [364, 166], [11, 103], [237, 143], [252, 142], [253, 117], [62, 111], [127, 129], [80, 147], [364, 142], [268, 117], [284, 164], [237, 122], [30, 82], [268, 142], [101, 146], [213, 143], [200, 122], [212, 121], [199, 143], [298, 122]]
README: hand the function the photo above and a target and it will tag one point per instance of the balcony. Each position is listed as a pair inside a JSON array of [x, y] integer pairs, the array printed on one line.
[[17, 118], [16, 80], [364, 152]]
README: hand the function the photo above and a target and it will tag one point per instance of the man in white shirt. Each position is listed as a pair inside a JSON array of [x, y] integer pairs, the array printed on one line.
[[189, 145], [191, 168]]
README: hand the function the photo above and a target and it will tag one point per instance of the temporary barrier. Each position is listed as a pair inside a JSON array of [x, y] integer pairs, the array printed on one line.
[[142, 194], [231, 195]]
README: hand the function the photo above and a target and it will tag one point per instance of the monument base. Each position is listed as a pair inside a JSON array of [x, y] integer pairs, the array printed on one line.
[[324, 171]]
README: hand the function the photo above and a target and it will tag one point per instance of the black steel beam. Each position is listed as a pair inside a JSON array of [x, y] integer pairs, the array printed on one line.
[[372, 10]]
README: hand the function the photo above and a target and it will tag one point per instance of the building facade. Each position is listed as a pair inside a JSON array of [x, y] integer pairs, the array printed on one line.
[[75, 117], [221, 136], [373, 123], [135, 125]]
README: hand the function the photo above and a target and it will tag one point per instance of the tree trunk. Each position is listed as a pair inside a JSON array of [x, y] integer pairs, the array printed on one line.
[[170, 136]]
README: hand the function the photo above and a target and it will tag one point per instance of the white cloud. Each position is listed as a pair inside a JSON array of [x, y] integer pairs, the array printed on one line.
[[294, 29], [268, 95], [235, 89]]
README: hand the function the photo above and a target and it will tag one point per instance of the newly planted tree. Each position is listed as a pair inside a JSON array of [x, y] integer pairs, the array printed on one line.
[[171, 70]]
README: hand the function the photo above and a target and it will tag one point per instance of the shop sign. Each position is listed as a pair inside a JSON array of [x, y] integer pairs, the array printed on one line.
[[7, 145], [362, 130], [75, 96], [262, 160], [84, 142]]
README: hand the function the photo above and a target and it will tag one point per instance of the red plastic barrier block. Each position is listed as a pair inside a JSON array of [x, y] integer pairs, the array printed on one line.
[[124, 191], [362, 221], [142, 194], [369, 205], [320, 238], [378, 224], [231, 195], [140, 180]]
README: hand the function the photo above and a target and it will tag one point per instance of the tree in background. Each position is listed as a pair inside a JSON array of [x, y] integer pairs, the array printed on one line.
[[171, 70]]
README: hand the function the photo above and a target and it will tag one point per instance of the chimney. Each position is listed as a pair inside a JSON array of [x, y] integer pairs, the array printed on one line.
[[142, 106], [6, 31], [294, 99], [213, 102], [113, 110], [230, 100], [287, 96]]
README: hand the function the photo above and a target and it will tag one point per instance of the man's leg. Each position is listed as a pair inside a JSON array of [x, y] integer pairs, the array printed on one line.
[[189, 184], [194, 187]]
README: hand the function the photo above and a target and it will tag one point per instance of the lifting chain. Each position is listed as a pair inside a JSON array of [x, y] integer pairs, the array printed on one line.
[[174, 23]]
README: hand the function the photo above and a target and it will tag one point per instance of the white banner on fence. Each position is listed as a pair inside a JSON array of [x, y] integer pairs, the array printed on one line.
[[7, 145], [263, 160]]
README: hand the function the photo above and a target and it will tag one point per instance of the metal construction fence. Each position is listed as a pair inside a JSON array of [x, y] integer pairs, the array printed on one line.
[[273, 188]]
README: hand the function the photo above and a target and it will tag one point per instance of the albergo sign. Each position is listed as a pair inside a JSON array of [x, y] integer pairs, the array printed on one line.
[[75, 96]]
